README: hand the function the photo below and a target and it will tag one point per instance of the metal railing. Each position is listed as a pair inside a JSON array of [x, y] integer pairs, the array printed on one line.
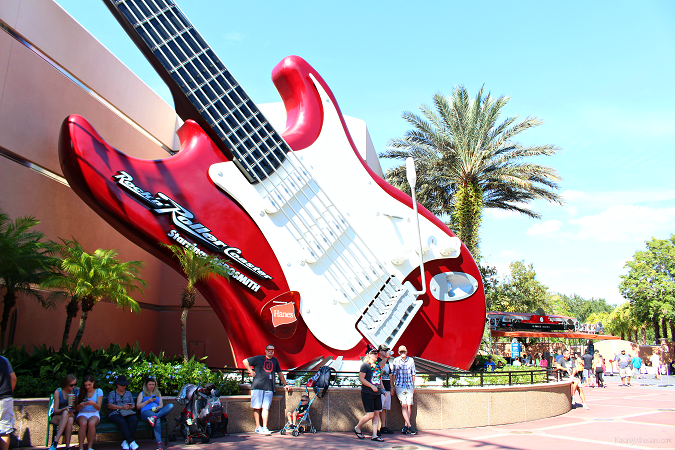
[[431, 378]]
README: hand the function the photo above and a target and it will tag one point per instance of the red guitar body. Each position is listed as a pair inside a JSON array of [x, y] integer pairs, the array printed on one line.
[[446, 332]]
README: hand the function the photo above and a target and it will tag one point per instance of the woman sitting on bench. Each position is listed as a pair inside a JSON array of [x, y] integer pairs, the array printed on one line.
[[152, 408], [64, 414], [122, 414], [88, 406]]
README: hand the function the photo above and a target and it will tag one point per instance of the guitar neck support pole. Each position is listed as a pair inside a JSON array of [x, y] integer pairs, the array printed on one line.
[[412, 180]]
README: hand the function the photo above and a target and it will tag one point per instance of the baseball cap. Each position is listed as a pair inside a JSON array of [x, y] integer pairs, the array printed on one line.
[[382, 348]]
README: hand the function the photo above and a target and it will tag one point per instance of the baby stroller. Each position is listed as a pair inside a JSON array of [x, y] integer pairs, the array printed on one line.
[[201, 414], [322, 380]]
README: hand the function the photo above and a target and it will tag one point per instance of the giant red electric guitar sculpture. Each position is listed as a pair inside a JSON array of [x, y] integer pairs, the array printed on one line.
[[322, 251]]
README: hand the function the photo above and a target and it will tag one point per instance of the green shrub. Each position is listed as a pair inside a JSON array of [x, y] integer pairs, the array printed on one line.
[[40, 373], [480, 361]]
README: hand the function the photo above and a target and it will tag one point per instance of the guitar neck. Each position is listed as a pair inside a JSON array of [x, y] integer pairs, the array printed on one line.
[[202, 87]]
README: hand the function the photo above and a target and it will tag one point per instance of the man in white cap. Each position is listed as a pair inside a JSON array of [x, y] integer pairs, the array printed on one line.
[[403, 385], [624, 361]]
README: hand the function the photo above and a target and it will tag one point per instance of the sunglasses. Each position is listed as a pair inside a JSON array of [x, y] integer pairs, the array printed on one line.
[[269, 349], [374, 352], [73, 385], [402, 352]]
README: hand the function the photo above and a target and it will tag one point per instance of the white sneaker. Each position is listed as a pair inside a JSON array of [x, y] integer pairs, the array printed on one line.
[[133, 445], [125, 446], [585, 406], [265, 431], [257, 429]]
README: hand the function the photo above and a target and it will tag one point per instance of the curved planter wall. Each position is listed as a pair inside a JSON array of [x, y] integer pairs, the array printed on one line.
[[340, 409]]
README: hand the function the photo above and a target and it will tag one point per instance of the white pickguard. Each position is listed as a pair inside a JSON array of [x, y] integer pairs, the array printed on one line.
[[370, 235]]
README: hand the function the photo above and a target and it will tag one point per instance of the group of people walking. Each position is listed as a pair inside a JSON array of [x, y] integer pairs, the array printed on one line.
[[83, 405], [379, 380]]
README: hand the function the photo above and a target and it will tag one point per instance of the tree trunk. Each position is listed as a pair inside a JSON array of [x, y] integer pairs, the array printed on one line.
[[623, 336], [183, 330], [80, 330], [72, 308], [664, 328], [87, 305], [635, 331], [657, 331], [672, 331], [10, 301], [643, 335], [466, 217]]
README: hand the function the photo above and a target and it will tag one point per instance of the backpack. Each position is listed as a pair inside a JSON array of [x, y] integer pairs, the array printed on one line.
[[323, 379]]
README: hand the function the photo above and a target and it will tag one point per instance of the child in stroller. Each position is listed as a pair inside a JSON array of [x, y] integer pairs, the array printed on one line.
[[299, 420], [202, 413], [300, 417]]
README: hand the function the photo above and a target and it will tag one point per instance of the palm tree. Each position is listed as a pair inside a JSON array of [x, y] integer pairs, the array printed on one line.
[[68, 285], [92, 277], [467, 162], [621, 321], [195, 268], [25, 262]]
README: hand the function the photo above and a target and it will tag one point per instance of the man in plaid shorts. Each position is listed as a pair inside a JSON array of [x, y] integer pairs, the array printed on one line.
[[403, 385]]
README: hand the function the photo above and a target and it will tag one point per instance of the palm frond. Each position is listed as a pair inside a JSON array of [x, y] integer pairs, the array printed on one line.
[[460, 141]]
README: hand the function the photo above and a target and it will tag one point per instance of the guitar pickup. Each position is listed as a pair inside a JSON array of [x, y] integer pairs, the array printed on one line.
[[384, 322]]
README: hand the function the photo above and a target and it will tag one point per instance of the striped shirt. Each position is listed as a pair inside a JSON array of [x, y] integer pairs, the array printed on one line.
[[403, 372]]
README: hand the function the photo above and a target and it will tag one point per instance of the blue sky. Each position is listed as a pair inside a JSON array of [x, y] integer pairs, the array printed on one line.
[[601, 75]]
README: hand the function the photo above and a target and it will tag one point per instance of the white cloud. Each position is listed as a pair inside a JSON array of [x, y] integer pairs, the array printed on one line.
[[571, 210], [604, 199], [626, 223], [571, 195], [547, 227], [503, 270], [234, 36], [511, 254]]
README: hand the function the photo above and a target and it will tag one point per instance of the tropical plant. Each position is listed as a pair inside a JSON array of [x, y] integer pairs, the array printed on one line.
[[195, 267], [26, 260], [579, 307], [621, 321], [67, 286], [649, 284], [40, 372], [467, 162], [92, 277], [520, 291]]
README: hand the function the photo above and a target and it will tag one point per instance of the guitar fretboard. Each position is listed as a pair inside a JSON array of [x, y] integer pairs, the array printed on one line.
[[207, 84]]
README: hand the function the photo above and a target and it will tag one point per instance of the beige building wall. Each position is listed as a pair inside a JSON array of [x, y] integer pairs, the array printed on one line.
[[35, 98]]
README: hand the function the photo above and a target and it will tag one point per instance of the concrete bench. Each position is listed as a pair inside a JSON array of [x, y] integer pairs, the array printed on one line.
[[104, 426]]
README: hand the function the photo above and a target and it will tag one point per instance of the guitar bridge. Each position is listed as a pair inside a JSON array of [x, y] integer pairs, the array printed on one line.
[[387, 316]]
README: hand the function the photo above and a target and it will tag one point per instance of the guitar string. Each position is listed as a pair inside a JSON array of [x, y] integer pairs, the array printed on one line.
[[170, 33], [188, 59], [344, 277], [177, 57], [355, 272]]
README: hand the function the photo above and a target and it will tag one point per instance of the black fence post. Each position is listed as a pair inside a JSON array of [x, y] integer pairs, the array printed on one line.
[[509, 378], [531, 377], [481, 379]]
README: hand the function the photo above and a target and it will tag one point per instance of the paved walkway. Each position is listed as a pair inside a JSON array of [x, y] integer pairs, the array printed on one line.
[[637, 417]]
